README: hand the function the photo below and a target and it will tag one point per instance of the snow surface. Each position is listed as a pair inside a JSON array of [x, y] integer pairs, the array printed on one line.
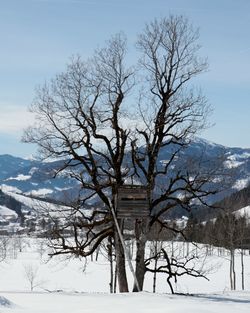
[[241, 183], [233, 163], [40, 192], [124, 303], [69, 286], [6, 189], [5, 302], [33, 170], [6, 211], [19, 177], [43, 206], [236, 160], [31, 202], [243, 212]]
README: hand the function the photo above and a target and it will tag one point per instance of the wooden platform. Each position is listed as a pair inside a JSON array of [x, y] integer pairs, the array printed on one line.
[[132, 201]]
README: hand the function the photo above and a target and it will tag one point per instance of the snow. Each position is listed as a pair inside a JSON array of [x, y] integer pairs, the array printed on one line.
[[236, 160], [235, 157], [62, 189], [6, 189], [233, 163], [123, 303], [42, 206], [6, 211], [32, 203], [241, 183], [243, 212], [66, 285], [19, 177], [206, 142], [40, 192], [33, 170], [5, 302]]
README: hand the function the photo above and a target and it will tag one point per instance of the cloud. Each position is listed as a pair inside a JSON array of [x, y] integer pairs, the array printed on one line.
[[14, 118]]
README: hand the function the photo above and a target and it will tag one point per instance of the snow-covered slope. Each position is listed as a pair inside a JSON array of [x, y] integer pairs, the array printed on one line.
[[243, 212], [35, 178]]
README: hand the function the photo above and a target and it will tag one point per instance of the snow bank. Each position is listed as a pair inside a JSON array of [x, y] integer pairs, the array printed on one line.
[[6, 303]]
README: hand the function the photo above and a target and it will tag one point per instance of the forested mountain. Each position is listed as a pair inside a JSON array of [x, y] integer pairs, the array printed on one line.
[[37, 179]]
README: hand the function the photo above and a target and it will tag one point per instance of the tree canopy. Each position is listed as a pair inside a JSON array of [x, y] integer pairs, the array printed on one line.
[[110, 123]]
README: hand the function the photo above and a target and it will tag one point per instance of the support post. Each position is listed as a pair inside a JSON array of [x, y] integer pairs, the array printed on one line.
[[124, 247]]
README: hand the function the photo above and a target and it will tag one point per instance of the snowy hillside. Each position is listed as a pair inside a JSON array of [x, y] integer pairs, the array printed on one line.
[[244, 212], [36, 179]]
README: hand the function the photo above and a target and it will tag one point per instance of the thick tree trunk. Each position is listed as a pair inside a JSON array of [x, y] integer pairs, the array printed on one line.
[[120, 265], [140, 265], [232, 270], [141, 238]]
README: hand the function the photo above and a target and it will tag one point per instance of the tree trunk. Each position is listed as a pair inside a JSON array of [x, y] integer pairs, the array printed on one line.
[[110, 256], [242, 271], [140, 265], [232, 270], [115, 278], [154, 277], [141, 238], [234, 276], [120, 265]]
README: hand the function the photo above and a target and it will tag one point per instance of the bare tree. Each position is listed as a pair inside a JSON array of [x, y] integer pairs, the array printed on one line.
[[82, 117], [79, 118], [171, 262], [173, 113], [31, 274], [4, 245], [231, 231]]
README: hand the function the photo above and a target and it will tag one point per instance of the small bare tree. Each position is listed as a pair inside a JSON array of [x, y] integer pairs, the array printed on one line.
[[31, 274], [173, 264], [4, 244]]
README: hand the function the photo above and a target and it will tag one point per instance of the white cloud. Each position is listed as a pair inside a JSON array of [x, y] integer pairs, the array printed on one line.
[[14, 118]]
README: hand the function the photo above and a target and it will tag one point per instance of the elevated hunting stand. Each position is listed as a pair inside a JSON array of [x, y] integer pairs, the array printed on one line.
[[132, 202]]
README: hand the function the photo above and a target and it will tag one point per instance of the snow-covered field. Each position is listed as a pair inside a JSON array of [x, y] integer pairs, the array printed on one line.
[[72, 286], [123, 303]]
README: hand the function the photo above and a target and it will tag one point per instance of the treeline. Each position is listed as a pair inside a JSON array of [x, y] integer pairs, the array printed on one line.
[[236, 201], [228, 230]]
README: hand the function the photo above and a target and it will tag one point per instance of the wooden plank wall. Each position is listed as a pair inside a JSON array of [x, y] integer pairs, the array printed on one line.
[[132, 202]]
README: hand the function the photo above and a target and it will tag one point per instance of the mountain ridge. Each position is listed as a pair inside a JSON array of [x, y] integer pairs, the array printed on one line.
[[36, 178]]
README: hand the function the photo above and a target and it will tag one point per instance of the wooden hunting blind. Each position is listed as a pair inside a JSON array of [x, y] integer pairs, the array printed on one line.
[[132, 201]]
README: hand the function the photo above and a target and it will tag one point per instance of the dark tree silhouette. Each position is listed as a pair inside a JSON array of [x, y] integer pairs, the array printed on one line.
[[88, 116]]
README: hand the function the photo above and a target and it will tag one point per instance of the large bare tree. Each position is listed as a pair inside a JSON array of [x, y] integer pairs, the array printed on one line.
[[172, 111], [79, 118], [82, 117]]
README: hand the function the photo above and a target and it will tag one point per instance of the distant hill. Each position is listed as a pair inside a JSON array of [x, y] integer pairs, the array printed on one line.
[[36, 178], [234, 202]]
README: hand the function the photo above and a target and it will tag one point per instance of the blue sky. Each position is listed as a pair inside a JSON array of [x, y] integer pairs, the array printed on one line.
[[38, 37]]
